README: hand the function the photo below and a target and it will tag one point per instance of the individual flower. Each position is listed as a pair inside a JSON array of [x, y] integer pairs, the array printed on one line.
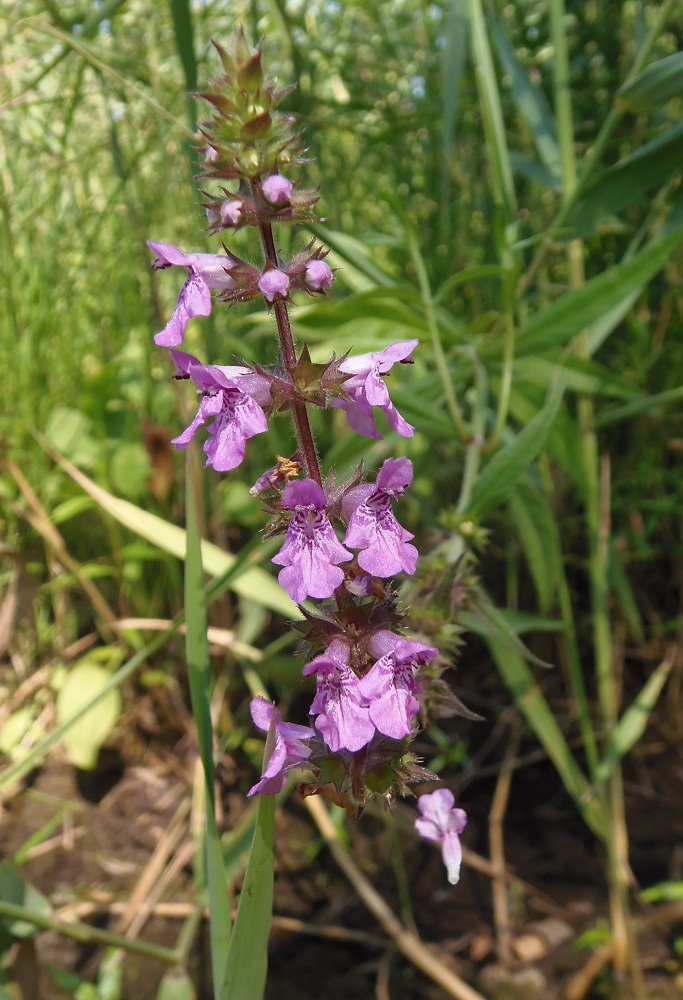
[[441, 822], [373, 526], [311, 552], [204, 272], [366, 389], [234, 396], [290, 748], [390, 686], [343, 717], [277, 190], [317, 276], [274, 284]]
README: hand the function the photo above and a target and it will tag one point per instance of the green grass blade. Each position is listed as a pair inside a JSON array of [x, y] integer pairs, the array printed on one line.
[[535, 525], [563, 319], [254, 583], [184, 39], [199, 677], [658, 83], [248, 955], [497, 480], [628, 181], [494, 125], [638, 406], [532, 104], [531, 702], [631, 725]]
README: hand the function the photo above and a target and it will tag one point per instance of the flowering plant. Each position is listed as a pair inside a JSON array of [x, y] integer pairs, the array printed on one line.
[[342, 542]]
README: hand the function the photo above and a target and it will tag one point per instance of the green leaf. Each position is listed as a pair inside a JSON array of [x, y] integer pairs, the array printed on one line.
[[494, 124], [88, 726], [199, 676], [248, 956], [176, 985], [638, 406], [366, 272], [663, 892], [17, 891], [130, 469], [535, 525], [586, 377], [627, 182], [658, 82], [532, 105], [70, 432], [563, 319], [531, 702], [498, 478], [184, 39], [631, 725]]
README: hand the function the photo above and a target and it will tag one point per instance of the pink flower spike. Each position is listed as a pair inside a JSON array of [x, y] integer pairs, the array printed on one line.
[[441, 822], [204, 272], [277, 190], [289, 747], [274, 284]]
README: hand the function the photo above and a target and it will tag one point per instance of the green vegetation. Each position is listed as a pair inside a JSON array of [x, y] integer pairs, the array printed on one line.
[[500, 180]]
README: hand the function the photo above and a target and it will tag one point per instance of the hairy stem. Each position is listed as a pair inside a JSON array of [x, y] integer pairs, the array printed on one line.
[[288, 352]]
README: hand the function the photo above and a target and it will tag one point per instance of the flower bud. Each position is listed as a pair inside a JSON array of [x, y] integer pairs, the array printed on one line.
[[277, 190], [231, 212], [274, 284], [318, 275]]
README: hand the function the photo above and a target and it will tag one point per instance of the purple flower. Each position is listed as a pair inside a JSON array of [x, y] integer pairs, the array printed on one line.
[[343, 718], [274, 284], [318, 275], [204, 272], [372, 525], [440, 821], [234, 396], [390, 686], [289, 751], [366, 389], [311, 552], [277, 190]]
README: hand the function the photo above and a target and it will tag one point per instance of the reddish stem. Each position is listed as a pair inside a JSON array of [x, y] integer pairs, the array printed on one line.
[[284, 331]]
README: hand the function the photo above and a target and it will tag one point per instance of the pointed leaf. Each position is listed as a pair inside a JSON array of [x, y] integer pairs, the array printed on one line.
[[533, 521], [631, 725], [248, 955], [532, 104], [498, 478], [628, 181], [563, 319], [89, 726], [658, 82], [199, 676], [531, 702]]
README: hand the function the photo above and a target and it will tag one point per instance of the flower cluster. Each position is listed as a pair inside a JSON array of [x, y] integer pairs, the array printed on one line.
[[343, 542]]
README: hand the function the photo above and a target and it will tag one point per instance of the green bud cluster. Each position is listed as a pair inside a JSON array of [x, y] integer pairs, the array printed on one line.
[[248, 138]]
